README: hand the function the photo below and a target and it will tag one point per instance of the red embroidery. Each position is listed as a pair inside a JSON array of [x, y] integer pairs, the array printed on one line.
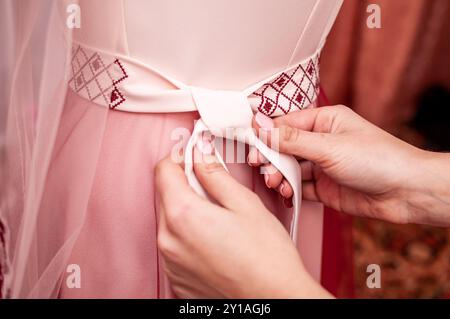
[[96, 80], [97, 76], [296, 88], [116, 99], [299, 98], [269, 106], [124, 74]]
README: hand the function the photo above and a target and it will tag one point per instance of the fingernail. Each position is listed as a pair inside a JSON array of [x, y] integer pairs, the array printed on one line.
[[283, 190], [261, 159], [205, 145], [250, 157], [266, 180], [249, 161], [264, 121]]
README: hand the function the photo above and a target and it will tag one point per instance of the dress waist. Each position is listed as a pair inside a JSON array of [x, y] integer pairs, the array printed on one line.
[[125, 84]]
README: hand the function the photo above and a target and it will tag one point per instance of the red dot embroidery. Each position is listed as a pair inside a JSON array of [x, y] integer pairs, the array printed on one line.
[[297, 88], [96, 79]]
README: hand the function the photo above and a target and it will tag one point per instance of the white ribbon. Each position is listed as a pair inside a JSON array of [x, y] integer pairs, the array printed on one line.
[[221, 111]]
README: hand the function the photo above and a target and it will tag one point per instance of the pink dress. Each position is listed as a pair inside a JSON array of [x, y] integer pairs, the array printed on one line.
[[138, 74]]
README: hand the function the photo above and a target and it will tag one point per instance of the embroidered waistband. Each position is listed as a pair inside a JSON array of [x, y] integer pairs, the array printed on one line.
[[122, 83]]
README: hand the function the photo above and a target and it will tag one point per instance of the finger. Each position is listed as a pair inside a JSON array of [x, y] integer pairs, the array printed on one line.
[[318, 120], [307, 168], [272, 176], [303, 120], [329, 119], [291, 140], [255, 158], [217, 182], [309, 191], [165, 237], [177, 200], [171, 183], [288, 202], [285, 189]]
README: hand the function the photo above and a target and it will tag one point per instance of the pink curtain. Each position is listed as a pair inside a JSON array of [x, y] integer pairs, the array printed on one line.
[[381, 72]]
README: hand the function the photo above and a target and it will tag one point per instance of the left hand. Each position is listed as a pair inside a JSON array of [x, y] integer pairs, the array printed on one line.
[[236, 249]]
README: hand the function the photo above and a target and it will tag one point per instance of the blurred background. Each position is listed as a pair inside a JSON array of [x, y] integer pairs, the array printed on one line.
[[397, 77]]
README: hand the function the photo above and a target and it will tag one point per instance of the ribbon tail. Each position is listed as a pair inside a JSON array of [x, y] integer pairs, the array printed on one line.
[[199, 129], [287, 165]]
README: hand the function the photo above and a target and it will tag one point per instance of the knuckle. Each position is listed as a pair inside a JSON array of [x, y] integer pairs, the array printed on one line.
[[179, 291], [165, 244], [159, 170], [331, 118], [179, 213], [289, 134], [343, 109], [213, 168]]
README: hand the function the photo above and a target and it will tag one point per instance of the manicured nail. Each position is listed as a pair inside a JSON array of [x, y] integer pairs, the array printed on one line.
[[283, 190], [205, 145], [261, 159], [249, 161], [251, 157], [264, 121], [266, 179]]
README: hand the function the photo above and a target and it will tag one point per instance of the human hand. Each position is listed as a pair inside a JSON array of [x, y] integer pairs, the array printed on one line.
[[347, 163], [235, 249]]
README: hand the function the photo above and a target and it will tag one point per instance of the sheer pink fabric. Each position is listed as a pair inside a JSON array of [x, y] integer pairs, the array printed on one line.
[[79, 185], [40, 235]]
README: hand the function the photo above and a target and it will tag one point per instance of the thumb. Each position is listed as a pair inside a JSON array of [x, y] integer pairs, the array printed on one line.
[[217, 182], [288, 139]]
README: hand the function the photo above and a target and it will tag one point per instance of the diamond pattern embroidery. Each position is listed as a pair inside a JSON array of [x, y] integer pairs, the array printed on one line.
[[96, 78], [294, 89]]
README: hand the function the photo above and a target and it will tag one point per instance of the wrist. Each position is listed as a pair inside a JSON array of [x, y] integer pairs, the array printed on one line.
[[427, 194], [308, 288]]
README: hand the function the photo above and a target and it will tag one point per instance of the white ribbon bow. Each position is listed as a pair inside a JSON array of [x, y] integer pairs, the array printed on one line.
[[221, 111]]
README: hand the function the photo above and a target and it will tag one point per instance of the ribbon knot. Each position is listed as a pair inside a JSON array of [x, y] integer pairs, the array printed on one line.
[[221, 111]]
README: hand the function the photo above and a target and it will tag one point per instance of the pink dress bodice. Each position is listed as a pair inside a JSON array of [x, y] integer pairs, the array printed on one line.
[[226, 45]]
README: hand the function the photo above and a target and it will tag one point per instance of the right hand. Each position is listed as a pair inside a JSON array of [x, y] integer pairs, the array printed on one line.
[[347, 163]]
